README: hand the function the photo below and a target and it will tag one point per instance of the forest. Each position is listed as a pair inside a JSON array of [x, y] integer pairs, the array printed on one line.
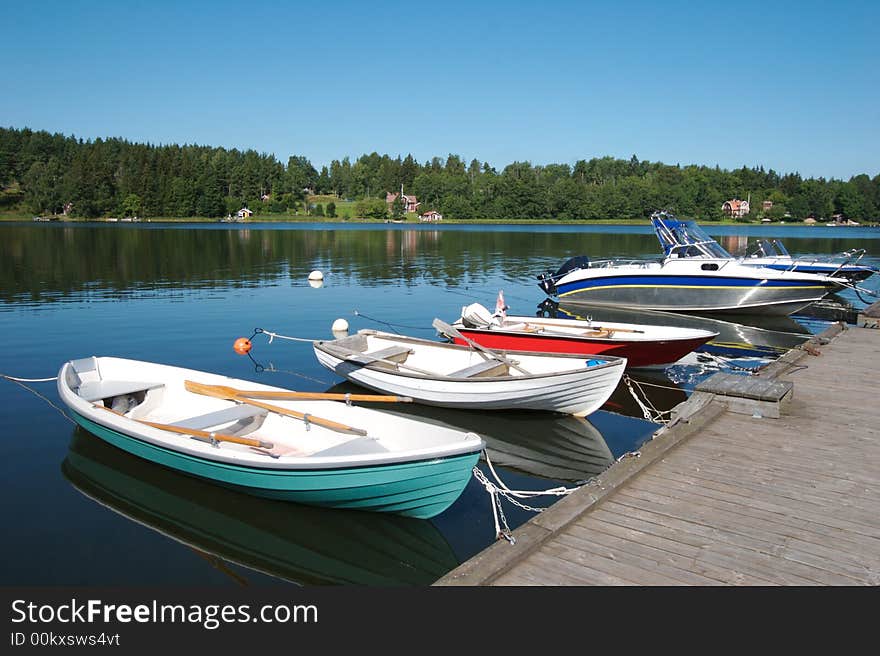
[[51, 174]]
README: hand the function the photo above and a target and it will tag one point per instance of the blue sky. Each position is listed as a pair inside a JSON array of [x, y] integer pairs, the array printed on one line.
[[791, 86]]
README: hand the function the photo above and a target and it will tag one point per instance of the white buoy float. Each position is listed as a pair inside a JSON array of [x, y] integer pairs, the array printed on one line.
[[316, 275], [339, 326]]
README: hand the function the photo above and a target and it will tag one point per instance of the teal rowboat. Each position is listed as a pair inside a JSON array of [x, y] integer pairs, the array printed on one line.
[[316, 452]]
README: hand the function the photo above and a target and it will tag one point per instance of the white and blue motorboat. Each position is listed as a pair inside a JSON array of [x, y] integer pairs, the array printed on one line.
[[695, 274], [771, 253]]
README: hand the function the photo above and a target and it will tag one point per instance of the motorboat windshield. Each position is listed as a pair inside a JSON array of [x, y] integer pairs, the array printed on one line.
[[770, 248], [685, 238]]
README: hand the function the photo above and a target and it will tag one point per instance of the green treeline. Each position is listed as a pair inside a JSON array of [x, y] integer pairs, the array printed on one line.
[[52, 173]]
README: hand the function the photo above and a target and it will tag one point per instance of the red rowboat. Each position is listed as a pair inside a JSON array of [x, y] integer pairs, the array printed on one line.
[[642, 345]]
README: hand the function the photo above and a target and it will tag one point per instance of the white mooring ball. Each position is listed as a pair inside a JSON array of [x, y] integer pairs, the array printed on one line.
[[340, 326], [316, 275]]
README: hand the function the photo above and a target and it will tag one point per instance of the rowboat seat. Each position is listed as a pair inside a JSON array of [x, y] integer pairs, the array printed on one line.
[[393, 353], [97, 390], [248, 418], [355, 447], [483, 369], [522, 327]]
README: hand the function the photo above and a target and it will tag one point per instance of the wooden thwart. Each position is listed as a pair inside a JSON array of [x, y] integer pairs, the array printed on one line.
[[232, 394], [192, 432], [482, 350]]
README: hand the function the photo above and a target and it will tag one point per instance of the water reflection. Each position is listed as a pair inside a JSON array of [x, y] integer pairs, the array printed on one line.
[[541, 444], [50, 261], [297, 543]]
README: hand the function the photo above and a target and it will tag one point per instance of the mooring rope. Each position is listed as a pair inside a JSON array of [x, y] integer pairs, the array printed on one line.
[[273, 336], [391, 325], [21, 383], [498, 490], [649, 411], [28, 380]]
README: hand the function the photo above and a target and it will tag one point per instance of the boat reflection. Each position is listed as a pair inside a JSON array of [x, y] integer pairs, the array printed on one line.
[[541, 444], [739, 336], [302, 544]]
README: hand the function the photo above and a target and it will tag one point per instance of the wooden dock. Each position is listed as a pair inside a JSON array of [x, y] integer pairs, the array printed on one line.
[[723, 497]]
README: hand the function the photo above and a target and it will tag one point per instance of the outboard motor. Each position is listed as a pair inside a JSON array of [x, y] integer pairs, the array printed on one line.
[[547, 281]]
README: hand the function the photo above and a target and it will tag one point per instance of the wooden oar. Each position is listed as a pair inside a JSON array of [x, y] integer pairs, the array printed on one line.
[[616, 330], [321, 396], [220, 437], [449, 330], [231, 394]]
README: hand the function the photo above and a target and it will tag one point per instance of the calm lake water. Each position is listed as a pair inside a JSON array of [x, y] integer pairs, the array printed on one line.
[[77, 511]]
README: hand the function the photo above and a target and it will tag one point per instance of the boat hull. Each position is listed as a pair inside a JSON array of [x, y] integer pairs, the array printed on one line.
[[396, 488], [637, 353], [851, 273], [678, 293], [576, 391]]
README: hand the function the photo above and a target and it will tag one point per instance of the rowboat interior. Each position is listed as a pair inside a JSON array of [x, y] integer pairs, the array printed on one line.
[[419, 357], [171, 408]]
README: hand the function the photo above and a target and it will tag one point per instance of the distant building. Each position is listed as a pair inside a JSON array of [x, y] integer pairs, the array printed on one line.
[[244, 213], [767, 205], [432, 215], [735, 208], [410, 203]]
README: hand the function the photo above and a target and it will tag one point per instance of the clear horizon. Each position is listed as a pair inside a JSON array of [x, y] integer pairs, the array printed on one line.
[[788, 86]]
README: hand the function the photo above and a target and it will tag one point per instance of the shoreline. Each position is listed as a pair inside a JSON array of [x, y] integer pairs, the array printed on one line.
[[344, 221]]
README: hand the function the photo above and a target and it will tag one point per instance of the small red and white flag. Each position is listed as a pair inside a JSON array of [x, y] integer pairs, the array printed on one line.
[[501, 306]]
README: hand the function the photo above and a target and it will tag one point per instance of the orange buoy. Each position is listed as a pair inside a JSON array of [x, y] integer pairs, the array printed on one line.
[[242, 346]]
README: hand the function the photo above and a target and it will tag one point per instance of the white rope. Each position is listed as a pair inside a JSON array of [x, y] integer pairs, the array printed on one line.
[[525, 494], [272, 336], [647, 407], [28, 380], [21, 383], [500, 490]]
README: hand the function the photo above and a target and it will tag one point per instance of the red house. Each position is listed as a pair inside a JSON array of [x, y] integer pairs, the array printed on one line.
[[410, 204], [735, 208]]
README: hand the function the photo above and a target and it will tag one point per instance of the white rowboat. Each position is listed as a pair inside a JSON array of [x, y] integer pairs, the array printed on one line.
[[447, 375]]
